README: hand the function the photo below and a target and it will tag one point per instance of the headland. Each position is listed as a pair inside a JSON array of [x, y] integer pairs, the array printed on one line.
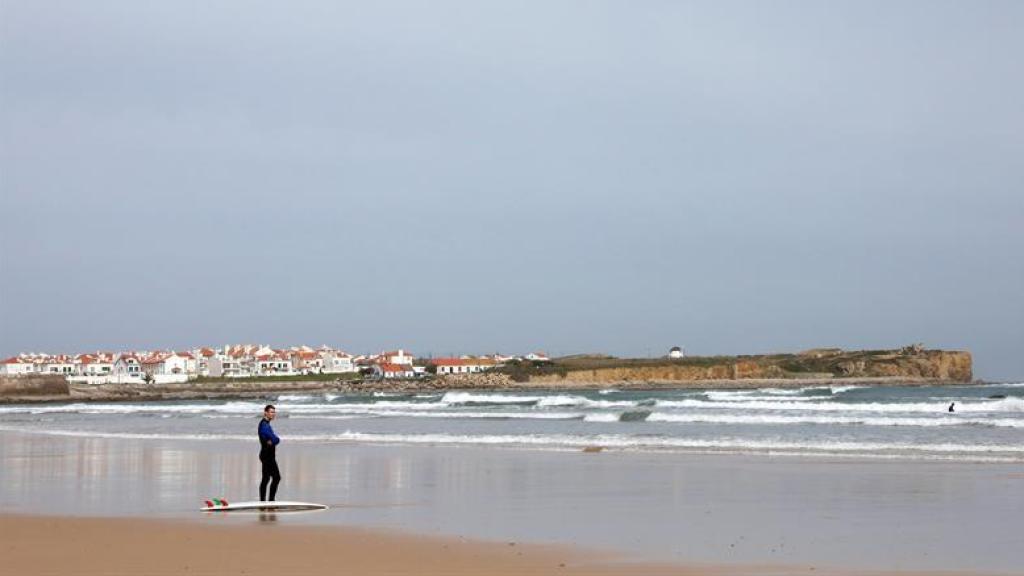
[[910, 365]]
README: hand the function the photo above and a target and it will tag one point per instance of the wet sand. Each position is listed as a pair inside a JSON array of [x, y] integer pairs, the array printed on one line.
[[693, 513], [122, 546]]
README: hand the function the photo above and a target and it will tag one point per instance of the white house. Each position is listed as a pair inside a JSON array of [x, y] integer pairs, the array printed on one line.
[[58, 365], [191, 363], [306, 361], [94, 365], [127, 368], [396, 357], [273, 364], [202, 358], [537, 357], [163, 363], [389, 371], [224, 366], [675, 352], [16, 366], [337, 362], [462, 365], [174, 364]]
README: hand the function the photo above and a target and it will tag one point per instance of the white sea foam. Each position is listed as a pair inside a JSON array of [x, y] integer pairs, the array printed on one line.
[[583, 402], [449, 414], [704, 418], [295, 397], [791, 394], [947, 450], [782, 391], [470, 397], [601, 417], [83, 408], [402, 404], [841, 389], [745, 396], [561, 401], [1014, 405]]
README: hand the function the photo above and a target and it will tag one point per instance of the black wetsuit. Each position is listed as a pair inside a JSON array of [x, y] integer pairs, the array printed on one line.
[[268, 457]]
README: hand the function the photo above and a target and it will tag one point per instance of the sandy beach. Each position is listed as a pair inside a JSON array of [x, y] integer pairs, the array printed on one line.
[[41, 545], [115, 546]]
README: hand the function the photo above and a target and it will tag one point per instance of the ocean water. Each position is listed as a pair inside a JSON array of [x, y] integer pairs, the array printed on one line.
[[891, 422]]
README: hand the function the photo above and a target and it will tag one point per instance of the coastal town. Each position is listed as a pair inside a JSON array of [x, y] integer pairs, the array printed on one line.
[[246, 361]]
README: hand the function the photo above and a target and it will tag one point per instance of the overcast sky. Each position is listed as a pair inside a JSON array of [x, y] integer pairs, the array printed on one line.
[[470, 177]]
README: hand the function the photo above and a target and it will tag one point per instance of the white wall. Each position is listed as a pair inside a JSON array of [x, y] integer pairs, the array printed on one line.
[[16, 369], [338, 365]]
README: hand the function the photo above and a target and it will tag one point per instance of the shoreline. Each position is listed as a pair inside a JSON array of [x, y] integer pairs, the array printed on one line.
[[250, 389]]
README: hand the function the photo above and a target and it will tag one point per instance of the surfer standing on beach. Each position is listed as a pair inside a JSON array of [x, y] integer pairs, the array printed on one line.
[[268, 454]]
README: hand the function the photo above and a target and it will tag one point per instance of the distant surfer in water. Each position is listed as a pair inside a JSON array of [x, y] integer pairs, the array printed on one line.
[[951, 406], [268, 455]]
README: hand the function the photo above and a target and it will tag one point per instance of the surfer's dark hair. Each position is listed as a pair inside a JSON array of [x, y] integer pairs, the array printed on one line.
[[269, 407]]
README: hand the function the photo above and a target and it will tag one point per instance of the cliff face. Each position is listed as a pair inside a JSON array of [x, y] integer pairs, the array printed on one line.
[[907, 364], [937, 364], [33, 386]]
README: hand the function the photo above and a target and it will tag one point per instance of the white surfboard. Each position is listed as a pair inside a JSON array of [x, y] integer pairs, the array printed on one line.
[[276, 506]]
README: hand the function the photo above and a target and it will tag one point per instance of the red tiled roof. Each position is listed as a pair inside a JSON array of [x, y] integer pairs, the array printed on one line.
[[395, 368], [462, 362], [449, 362]]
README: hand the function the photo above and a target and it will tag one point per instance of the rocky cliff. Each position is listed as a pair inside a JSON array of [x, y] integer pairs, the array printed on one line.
[[911, 364], [33, 387]]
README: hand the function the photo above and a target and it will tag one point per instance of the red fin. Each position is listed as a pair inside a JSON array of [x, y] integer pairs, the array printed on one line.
[[224, 502]]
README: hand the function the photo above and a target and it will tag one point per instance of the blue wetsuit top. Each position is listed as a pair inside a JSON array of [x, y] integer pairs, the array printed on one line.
[[267, 435]]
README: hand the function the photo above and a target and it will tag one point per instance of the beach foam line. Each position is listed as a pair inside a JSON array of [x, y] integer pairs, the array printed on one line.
[[747, 396], [450, 414], [253, 408], [601, 417], [450, 398], [808, 392], [476, 399], [581, 401], [611, 441], [297, 397], [1014, 405], [776, 419]]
